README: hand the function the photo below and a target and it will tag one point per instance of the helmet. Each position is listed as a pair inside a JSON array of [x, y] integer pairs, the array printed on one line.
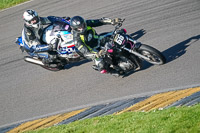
[[78, 24], [31, 18]]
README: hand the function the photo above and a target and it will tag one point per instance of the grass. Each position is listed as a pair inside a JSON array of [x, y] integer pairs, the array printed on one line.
[[8, 3], [173, 120]]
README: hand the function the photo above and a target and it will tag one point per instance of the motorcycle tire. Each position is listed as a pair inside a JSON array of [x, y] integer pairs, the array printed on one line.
[[155, 57], [55, 69]]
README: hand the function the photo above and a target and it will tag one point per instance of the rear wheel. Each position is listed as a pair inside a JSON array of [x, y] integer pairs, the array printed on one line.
[[53, 67], [154, 56]]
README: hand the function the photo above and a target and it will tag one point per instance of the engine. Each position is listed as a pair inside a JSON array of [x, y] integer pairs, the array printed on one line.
[[125, 64]]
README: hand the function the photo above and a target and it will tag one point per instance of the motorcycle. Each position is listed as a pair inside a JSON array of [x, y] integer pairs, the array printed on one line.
[[123, 54], [65, 51]]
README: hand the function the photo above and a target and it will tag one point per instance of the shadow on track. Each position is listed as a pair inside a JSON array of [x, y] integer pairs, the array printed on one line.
[[68, 66], [138, 34], [171, 53], [179, 49], [175, 51]]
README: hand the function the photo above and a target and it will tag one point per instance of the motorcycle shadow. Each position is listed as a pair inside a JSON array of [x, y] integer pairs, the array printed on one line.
[[68, 66], [179, 49], [171, 53], [130, 73], [175, 51], [138, 34]]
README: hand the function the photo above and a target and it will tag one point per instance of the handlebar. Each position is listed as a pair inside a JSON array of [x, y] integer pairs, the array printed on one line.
[[117, 27], [119, 24]]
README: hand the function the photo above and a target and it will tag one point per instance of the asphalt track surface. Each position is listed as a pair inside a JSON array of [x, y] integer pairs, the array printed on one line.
[[28, 91]]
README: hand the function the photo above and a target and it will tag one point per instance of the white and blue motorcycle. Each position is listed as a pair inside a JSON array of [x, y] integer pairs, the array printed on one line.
[[65, 51]]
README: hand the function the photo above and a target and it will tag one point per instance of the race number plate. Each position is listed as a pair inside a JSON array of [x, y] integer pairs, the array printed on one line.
[[119, 39]]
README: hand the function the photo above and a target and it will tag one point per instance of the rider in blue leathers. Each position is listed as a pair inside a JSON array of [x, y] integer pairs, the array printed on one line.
[[32, 35]]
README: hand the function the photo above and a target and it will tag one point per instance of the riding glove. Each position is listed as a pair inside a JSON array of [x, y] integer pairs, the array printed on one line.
[[110, 21]]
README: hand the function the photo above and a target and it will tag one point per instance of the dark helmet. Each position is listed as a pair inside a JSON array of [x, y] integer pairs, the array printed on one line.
[[78, 24]]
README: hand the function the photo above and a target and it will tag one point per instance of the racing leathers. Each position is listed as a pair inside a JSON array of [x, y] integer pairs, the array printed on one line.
[[89, 41], [32, 39]]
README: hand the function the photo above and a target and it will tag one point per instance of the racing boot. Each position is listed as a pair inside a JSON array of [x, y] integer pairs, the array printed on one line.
[[100, 65], [99, 69]]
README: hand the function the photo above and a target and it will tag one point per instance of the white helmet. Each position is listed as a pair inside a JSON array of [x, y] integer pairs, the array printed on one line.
[[31, 18]]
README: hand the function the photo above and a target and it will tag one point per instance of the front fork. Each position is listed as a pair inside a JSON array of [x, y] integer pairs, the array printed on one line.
[[135, 45]]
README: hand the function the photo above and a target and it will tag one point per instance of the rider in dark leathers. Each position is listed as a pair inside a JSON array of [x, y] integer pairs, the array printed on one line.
[[87, 40], [32, 35]]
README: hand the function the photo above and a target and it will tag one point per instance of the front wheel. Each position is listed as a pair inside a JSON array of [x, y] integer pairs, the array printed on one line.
[[154, 56]]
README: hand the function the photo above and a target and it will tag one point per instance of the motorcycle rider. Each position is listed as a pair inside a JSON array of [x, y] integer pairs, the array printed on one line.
[[32, 35], [87, 41]]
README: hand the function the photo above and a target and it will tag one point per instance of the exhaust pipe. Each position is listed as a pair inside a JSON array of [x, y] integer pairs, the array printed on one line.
[[34, 61]]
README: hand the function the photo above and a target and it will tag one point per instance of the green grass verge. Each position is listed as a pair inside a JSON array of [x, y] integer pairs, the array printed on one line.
[[173, 120], [8, 3]]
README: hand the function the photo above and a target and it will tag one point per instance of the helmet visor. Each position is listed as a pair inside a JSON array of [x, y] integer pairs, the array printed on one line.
[[35, 20], [81, 28]]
